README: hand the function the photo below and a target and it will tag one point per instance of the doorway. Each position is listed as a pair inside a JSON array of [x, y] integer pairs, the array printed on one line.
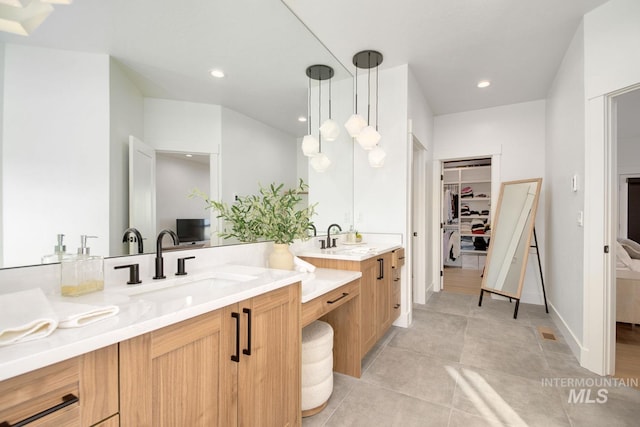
[[465, 223], [625, 143]]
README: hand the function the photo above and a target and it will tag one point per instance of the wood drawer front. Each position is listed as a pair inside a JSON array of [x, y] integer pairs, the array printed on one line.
[[91, 377], [397, 258], [323, 304]]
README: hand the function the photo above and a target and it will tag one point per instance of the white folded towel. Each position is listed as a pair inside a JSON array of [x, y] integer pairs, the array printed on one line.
[[303, 266], [74, 315], [25, 316]]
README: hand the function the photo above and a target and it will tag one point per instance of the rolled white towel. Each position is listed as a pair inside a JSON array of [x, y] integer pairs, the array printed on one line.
[[303, 266], [74, 315], [25, 316]]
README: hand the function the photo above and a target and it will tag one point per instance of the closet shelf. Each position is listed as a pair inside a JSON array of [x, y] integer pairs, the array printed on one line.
[[475, 181], [475, 235], [474, 199], [474, 216], [465, 251]]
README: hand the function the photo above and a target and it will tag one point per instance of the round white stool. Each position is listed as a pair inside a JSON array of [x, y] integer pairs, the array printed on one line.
[[317, 367]]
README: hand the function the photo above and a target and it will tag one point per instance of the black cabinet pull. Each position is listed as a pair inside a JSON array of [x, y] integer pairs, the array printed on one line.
[[247, 350], [396, 279], [344, 294], [396, 306], [67, 400], [236, 357], [380, 268]]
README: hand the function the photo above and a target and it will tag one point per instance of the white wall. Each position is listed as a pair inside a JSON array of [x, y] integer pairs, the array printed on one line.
[[182, 126], [175, 179], [612, 41], [46, 161], [1, 150], [380, 194], [127, 118], [517, 133], [254, 153], [629, 155], [332, 190], [564, 158]]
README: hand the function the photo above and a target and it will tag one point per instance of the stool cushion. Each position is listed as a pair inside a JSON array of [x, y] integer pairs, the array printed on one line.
[[316, 395], [314, 373], [317, 341]]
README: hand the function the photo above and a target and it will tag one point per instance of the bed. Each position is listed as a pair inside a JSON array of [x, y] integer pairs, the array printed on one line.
[[627, 283]]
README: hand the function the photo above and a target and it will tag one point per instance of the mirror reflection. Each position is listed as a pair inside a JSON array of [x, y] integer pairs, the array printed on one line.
[[512, 234], [93, 74]]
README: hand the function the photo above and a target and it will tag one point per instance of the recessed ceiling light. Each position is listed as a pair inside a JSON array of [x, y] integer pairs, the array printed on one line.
[[484, 83], [188, 155], [217, 73], [302, 119]]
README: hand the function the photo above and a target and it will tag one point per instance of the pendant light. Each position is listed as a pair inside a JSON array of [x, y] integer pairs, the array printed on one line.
[[330, 129], [356, 122], [369, 137], [319, 161], [310, 145]]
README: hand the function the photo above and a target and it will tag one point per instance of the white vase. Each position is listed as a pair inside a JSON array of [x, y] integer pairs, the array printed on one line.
[[281, 258]]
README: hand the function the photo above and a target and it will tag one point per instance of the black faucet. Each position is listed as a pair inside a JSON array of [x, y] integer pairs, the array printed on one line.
[[159, 260], [313, 227], [138, 238], [329, 244]]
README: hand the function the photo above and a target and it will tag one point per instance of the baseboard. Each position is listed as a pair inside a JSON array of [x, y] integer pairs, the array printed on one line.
[[405, 319], [572, 341]]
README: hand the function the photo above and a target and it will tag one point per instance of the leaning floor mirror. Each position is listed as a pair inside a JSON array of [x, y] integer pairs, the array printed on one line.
[[512, 232]]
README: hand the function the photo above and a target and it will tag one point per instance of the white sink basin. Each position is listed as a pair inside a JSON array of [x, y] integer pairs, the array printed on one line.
[[185, 285]]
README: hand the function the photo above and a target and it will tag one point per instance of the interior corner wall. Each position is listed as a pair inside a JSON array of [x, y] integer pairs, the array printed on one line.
[[126, 106], [250, 145], [517, 133], [48, 161], [565, 151], [380, 194]]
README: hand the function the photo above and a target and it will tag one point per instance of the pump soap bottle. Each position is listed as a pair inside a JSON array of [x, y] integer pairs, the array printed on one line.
[[59, 252], [82, 273]]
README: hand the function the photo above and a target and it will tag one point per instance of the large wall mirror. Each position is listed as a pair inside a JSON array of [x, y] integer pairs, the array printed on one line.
[[511, 237], [96, 72]]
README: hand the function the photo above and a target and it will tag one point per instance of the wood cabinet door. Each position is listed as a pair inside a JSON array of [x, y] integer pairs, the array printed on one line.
[[384, 297], [368, 284], [170, 377], [269, 381]]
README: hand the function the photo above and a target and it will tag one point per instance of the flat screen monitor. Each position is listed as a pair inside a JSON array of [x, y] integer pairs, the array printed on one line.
[[192, 230]]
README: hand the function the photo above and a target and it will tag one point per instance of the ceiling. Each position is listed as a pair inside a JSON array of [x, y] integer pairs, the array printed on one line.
[[450, 45], [168, 47]]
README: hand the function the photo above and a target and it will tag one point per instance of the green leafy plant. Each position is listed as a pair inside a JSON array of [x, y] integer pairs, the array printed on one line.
[[275, 214]]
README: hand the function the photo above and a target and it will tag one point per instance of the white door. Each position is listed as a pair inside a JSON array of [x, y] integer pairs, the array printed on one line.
[[142, 192]]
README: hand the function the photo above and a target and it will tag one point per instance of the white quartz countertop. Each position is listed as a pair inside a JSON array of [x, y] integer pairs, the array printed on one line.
[[144, 308], [324, 280], [349, 252], [156, 304]]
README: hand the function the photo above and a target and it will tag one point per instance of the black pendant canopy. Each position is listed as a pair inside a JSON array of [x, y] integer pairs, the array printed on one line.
[[320, 72], [367, 59]]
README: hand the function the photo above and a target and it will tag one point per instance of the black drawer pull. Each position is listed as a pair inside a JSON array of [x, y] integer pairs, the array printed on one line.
[[236, 357], [344, 294], [397, 306], [67, 400], [396, 279], [247, 350], [380, 268]]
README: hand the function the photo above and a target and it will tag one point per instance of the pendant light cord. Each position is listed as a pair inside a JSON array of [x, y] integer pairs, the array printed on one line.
[[377, 69], [309, 106], [329, 98], [319, 116], [356, 89], [369, 92]]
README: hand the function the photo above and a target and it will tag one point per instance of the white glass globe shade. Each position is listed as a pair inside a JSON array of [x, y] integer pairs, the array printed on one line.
[[376, 157], [330, 130], [355, 124], [320, 163], [368, 138], [310, 145]]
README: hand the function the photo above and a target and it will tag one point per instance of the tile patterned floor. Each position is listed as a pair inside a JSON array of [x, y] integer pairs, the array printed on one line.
[[464, 365]]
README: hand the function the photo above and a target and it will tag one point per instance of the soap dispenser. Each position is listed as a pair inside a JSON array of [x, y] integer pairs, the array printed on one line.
[[59, 252], [82, 273]]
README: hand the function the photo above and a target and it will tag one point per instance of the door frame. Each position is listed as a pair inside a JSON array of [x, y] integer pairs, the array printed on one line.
[[598, 349], [418, 221]]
